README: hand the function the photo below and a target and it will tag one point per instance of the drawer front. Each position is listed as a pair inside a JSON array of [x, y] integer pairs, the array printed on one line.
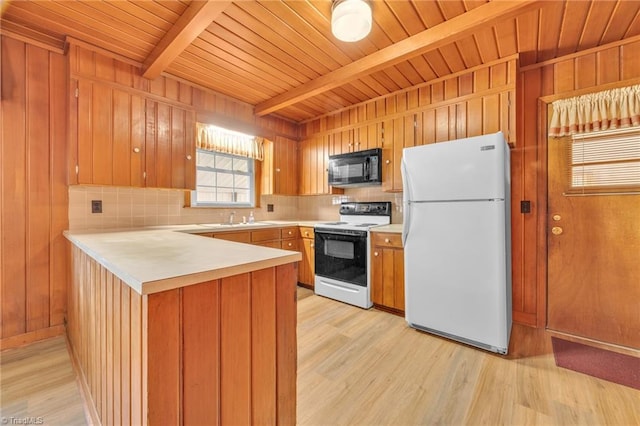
[[265, 235], [386, 239], [306, 232], [240, 237], [272, 244], [289, 232], [289, 245]]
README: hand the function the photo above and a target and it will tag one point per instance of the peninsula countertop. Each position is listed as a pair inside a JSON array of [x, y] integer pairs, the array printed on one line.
[[154, 260]]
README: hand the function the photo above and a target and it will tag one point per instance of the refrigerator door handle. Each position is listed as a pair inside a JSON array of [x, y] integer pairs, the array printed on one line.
[[406, 214]]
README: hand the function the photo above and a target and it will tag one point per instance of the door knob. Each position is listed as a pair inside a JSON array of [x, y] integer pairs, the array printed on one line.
[[556, 230]]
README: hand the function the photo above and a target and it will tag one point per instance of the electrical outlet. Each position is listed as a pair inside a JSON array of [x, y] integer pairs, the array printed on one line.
[[525, 206], [269, 207], [96, 206]]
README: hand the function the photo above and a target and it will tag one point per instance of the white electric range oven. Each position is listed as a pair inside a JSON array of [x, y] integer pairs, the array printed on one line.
[[342, 264]]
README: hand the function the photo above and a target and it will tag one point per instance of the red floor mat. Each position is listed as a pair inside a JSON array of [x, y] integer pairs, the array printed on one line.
[[607, 365]]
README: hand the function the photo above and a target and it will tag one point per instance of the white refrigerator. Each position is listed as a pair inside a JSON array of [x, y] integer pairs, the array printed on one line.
[[457, 240]]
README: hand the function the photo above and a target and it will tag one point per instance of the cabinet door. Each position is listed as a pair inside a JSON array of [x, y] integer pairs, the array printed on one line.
[[285, 166], [307, 268], [170, 146], [107, 135], [387, 278]]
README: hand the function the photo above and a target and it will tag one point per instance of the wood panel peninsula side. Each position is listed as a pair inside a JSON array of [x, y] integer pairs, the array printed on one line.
[[169, 328]]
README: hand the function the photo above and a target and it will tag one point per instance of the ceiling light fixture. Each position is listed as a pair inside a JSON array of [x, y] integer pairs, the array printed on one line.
[[350, 19]]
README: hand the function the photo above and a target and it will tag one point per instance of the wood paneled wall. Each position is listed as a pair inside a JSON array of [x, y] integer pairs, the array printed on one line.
[[614, 65], [211, 107], [34, 198], [219, 352], [35, 162], [590, 71]]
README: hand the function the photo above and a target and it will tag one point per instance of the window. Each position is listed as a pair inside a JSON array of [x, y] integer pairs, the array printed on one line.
[[606, 161], [223, 180]]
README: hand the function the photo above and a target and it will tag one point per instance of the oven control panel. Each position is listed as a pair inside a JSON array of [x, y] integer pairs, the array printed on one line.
[[374, 208]]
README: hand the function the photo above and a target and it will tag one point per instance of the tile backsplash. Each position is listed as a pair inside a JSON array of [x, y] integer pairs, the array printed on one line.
[[125, 207]]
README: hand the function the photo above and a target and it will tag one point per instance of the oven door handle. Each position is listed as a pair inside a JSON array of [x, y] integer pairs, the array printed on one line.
[[363, 234]]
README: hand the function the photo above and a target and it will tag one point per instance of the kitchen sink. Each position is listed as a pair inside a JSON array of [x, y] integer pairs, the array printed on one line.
[[234, 225]]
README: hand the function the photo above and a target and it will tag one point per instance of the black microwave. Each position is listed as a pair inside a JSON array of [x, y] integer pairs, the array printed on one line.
[[356, 168]]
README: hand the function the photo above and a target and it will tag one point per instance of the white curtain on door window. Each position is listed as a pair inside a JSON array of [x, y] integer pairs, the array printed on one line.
[[610, 109], [213, 138]]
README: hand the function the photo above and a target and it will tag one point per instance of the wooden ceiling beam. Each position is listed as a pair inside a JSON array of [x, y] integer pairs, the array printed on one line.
[[433, 38], [187, 28]]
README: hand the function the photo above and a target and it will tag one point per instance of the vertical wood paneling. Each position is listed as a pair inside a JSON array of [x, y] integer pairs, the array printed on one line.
[[201, 353], [101, 135], [178, 151], [122, 115], [608, 65], [235, 351], [218, 352], [59, 271], [14, 197], [38, 189], [286, 342], [33, 201], [263, 348], [164, 343]]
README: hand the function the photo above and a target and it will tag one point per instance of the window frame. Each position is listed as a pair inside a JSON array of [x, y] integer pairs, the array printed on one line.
[[251, 174]]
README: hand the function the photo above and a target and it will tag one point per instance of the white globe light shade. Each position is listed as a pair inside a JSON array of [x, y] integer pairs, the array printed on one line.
[[350, 19]]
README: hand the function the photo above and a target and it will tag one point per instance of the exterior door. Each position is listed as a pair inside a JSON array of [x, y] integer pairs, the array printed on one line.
[[593, 257]]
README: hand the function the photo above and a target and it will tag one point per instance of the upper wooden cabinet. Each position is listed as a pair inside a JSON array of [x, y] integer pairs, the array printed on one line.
[[313, 160], [120, 138], [170, 146], [280, 167]]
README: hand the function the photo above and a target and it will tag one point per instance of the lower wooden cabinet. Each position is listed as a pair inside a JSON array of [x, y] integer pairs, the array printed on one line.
[[287, 238], [387, 271], [307, 270]]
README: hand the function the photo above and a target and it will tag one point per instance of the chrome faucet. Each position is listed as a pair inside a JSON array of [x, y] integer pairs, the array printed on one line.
[[231, 217]]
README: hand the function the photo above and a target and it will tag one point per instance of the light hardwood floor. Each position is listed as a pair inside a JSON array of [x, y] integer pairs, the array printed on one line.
[[358, 367]]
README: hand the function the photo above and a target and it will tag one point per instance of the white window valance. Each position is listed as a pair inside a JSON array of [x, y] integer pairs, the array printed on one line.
[[213, 138], [610, 109]]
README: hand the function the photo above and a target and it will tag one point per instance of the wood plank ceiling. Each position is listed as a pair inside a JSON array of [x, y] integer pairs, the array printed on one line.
[[281, 57]]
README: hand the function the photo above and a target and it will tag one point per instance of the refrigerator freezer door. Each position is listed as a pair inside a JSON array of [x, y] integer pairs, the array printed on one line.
[[463, 169], [456, 280]]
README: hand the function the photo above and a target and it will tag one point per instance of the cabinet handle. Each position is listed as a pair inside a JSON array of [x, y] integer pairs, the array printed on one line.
[[188, 157], [277, 170], [311, 245], [136, 150], [375, 253], [386, 240], [289, 232], [388, 162], [306, 234], [290, 244], [350, 144]]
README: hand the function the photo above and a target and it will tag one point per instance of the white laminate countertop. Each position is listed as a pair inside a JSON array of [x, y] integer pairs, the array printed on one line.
[[393, 228], [153, 260]]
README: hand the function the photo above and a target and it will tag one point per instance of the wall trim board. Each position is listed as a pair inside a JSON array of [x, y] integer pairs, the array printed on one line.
[[31, 336], [541, 251], [581, 53], [587, 90], [133, 90], [71, 41], [410, 111], [30, 40], [514, 57]]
